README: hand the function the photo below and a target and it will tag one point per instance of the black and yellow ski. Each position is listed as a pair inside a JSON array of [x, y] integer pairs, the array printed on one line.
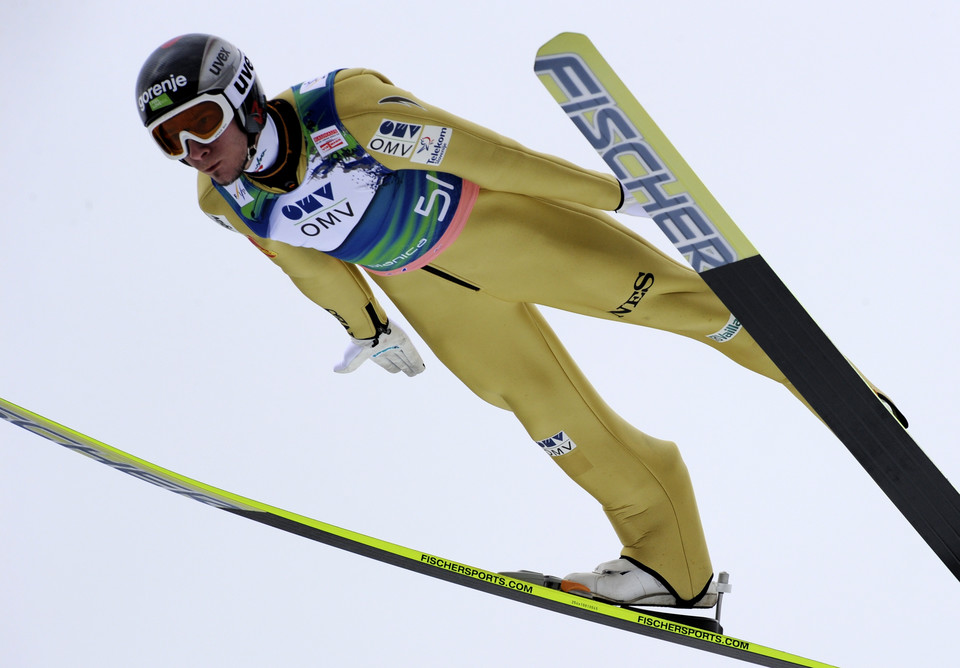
[[662, 626], [651, 169]]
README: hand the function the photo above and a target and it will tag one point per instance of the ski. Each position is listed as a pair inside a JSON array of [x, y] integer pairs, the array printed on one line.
[[652, 170], [662, 626]]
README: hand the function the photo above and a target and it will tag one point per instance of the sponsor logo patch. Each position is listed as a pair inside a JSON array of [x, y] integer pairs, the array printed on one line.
[[257, 165], [239, 193], [635, 162], [160, 102], [157, 96], [328, 140], [557, 445], [396, 138], [313, 84], [731, 329], [236, 91], [219, 60], [641, 286], [422, 144], [434, 141]]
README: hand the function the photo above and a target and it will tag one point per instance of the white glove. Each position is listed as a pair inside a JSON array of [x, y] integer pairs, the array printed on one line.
[[630, 205], [392, 350]]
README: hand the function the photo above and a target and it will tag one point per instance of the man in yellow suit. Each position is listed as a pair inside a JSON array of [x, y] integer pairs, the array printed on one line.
[[347, 177]]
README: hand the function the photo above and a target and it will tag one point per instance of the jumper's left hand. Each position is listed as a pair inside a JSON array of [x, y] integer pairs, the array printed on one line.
[[392, 349]]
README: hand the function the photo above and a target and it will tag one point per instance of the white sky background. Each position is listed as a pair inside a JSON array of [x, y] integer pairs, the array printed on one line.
[[829, 132]]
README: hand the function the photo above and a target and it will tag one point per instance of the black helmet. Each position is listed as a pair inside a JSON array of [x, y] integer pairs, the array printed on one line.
[[193, 66]]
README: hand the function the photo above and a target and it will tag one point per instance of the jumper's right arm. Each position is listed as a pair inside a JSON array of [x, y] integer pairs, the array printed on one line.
[[336, 286]]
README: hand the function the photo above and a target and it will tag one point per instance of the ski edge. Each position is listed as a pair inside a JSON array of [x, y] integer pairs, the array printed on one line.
[[427, 564]]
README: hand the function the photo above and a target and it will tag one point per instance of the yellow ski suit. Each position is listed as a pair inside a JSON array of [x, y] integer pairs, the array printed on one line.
[[536, 234]]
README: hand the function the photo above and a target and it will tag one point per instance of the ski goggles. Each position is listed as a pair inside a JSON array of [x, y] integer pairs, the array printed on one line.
[[202, 120]]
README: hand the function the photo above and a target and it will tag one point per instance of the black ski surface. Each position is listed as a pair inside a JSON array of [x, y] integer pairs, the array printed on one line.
[[846, 404]]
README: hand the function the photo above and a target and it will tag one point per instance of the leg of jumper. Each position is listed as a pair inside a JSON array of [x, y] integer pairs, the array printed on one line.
[[581, 260], [507, 354]]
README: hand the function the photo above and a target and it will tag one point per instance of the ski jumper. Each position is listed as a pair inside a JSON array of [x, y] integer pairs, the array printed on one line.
[[466, 231]]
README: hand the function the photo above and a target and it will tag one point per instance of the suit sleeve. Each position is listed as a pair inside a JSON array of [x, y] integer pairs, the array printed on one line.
[[492, 161], [335, 286]]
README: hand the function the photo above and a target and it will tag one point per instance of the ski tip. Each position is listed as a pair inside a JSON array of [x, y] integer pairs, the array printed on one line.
[[564, 40]]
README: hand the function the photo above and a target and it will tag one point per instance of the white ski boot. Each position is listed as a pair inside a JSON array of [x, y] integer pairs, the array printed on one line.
[[622, 582]]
